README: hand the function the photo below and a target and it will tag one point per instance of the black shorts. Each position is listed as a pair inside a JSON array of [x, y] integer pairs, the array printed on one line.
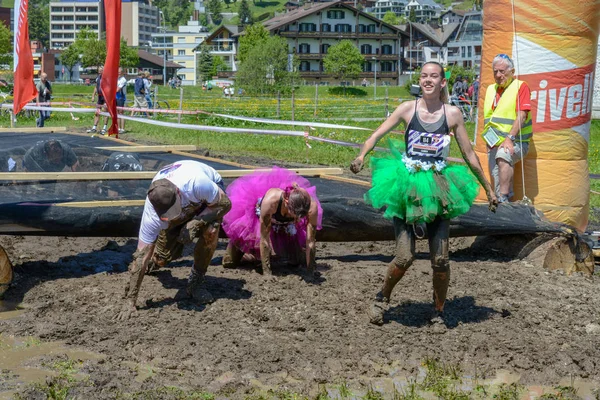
[[101, 101], [120, 102]]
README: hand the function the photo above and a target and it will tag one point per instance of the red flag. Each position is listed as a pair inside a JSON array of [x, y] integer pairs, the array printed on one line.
[[110, 76], [24, 89]]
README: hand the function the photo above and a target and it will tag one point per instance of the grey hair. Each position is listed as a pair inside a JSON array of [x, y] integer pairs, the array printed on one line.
[[505, 58]]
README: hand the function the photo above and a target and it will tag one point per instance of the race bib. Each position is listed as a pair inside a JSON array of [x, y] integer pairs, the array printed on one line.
[[425, 144]]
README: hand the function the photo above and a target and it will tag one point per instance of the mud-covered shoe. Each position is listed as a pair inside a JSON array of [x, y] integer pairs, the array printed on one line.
[[377, 310], [200, 294], [438, 325]]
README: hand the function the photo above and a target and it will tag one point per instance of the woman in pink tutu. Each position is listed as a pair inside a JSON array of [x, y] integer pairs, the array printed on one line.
[[273, 213]]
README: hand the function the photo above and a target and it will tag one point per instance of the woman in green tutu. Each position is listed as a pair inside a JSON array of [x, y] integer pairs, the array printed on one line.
[[418, 187]]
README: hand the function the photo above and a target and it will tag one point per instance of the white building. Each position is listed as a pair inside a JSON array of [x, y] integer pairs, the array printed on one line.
[[465, 49], [384, 6], [180, 47], [67, 18], [139, 20], [425, 10], [314, 27]]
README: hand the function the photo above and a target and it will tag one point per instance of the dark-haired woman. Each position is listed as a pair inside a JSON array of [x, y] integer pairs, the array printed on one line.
[[274, 213]]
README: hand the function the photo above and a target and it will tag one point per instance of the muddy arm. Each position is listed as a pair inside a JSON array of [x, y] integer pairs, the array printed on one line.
[[137, 270], [311, 231], [265, 244]]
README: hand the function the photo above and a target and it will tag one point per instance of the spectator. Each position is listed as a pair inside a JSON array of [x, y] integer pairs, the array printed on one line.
[[139, 93], [147, 89], [457, 88], [50, 156], [44, 95], [100, 105], [508, 128], [121, 98]]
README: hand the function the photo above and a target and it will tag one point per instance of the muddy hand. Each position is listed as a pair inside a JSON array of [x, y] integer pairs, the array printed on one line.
[[126, 312], [493, 202], [357, 165]]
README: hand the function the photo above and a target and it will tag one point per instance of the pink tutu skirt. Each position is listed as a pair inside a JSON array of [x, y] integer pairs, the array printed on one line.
[[242, 223]]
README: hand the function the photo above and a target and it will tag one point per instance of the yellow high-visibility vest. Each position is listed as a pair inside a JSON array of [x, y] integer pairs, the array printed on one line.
[[505, 114]]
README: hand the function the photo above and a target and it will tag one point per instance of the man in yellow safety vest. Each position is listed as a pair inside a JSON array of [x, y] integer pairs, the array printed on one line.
[[508, 129]]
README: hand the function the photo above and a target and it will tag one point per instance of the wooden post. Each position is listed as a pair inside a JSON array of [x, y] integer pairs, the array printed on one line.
[[316, 97], [180, 104], [12, 118], [293, 106], [278, 104]]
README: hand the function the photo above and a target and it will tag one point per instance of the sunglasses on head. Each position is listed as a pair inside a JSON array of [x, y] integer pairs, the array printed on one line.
[[505, 56]]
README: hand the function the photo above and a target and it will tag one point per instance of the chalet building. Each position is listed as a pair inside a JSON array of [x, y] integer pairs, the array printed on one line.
[[314, 27]]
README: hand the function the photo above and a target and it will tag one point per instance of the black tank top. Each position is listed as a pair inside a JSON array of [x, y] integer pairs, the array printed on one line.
[[277, 216], [424, 141]]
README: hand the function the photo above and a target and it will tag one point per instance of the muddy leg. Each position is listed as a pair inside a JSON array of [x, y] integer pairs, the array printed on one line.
[[233, 256], [168, 248], [438, 247], [6, 272], [207, 243], [404, 257]]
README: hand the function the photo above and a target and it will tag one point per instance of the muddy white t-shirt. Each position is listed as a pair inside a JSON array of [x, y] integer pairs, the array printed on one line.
[[197, 183]]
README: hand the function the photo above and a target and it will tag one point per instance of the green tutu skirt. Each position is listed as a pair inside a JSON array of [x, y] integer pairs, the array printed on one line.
[[417, 195]]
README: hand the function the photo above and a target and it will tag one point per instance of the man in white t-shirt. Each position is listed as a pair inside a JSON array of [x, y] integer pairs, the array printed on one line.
[[186, 200]]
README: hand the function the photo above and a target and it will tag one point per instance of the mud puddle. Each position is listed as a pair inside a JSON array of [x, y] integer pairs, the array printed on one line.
[[27, 360], [10, 310]]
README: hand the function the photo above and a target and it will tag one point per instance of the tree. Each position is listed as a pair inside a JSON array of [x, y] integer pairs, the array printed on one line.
[[267, 67], [205, 63], [391, 18], [412, 15], [69, 58], [176, 12], [39, 21], [254, 35], [6, 50], [129, 56], [245, 14], [218, 64], [215, 8], [344, 60], [227, 3]]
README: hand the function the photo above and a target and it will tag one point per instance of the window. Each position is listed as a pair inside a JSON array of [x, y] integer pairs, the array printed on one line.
[[386, 49], [81, 9], [93, 9], [304, 66], [325, 48], [469, 51], [57, 9], [325, 27], [307, 27], [462, 51], [80, 18], [371, 28], [304, 48], [180, 39], [366, 49], [67, 9], [335, 14], [181, 52], [68, 18], [362, 28], [366, 67], [387, 66], [434, 54], [343, 28], [69, 36]]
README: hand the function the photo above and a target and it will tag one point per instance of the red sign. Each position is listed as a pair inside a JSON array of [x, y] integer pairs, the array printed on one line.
[[561, 99]]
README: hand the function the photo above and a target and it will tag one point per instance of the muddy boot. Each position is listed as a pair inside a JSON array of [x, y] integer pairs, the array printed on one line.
[[197, 290], [438, 325], [378, 309]]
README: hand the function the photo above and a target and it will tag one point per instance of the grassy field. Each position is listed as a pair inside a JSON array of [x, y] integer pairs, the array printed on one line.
[[331, 107]]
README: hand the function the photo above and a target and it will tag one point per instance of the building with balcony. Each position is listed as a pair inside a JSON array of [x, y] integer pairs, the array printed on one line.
[[427, 43], [465, 48], [384, 6], [140, 20], [180, 47], [452, 16], [223, 43], [425, 10], [67, 18], [311, 29]]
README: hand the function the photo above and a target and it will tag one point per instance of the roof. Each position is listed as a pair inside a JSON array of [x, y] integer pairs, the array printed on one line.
[[158, 60], [437, 35], [429, 3], [311, 8], [233, 29], [457, 12]]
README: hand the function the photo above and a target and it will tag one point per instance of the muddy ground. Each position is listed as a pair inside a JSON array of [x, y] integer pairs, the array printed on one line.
[[290, 334]]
